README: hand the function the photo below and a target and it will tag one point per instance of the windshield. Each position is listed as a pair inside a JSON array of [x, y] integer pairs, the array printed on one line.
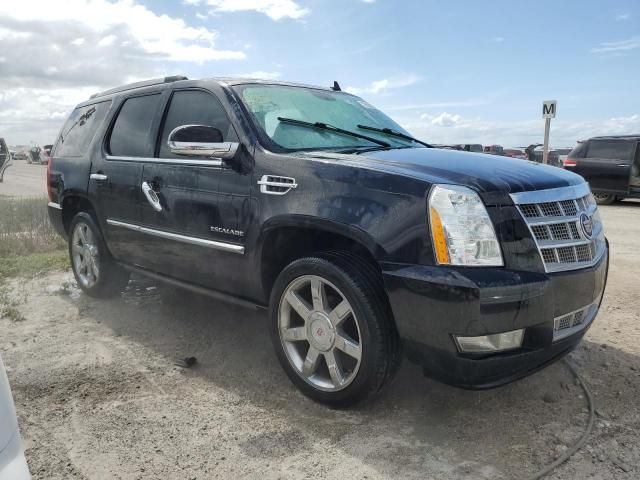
[[268, 102]]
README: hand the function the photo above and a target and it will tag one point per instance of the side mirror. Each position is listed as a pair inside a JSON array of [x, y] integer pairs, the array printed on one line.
[[200, 141]]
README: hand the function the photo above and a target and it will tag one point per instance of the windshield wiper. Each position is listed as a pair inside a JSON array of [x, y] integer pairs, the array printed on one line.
[[393, 133], [331, 128]]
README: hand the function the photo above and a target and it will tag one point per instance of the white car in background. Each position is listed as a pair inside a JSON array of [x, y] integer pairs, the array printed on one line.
[[13, 465]]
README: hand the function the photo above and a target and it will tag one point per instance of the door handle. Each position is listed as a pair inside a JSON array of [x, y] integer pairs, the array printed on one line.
[[623, 165], [152, 196], [100, 177]]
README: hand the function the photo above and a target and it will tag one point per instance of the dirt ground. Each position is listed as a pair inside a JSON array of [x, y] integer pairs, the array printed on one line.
[[98, 394], [24, 180]]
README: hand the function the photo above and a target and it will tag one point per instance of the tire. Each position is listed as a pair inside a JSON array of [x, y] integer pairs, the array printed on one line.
[[604, 198], [95, 271], [358, 339]]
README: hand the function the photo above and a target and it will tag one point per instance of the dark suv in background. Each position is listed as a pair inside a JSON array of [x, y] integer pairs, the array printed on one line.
[[610, 164], [361, 241]]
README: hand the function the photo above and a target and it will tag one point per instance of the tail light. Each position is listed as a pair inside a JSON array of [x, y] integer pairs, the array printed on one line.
[[569, 162], [49, 191]]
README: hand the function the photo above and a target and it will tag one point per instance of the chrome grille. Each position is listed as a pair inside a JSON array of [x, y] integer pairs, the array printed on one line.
[[554, 218], [570, 323]]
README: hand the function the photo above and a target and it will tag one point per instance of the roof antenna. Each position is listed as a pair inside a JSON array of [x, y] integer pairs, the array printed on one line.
[[336, 87]]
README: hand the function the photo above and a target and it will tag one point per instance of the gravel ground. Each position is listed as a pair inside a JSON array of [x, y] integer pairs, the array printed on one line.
[[98, 394], [24, 180]]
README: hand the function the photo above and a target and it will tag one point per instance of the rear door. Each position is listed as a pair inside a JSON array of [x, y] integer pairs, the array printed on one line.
[[606, 164], [196, 235], [116, 174]]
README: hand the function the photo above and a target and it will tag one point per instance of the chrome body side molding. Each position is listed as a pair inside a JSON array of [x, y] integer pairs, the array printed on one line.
[[200, 242], [212, 162]]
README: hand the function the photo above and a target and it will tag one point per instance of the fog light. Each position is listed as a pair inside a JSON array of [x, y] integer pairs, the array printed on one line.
[[498, 342]]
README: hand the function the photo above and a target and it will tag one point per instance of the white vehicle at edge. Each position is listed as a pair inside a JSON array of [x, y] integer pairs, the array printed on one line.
[[13, 465]]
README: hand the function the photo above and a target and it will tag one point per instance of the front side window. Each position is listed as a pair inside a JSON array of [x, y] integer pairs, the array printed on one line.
[[194, 107], [266, 103], [79, 129], [131, 134], [611, 149]]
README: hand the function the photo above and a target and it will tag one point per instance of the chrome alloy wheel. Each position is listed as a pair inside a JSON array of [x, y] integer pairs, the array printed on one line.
[[320, 333], [85, 255]]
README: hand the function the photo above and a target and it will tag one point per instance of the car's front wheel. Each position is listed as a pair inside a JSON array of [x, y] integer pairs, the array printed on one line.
[[332, 329], [604, 198], [95, 270]]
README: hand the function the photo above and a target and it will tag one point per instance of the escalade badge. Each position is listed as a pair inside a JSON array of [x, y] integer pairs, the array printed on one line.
[[587, 225]]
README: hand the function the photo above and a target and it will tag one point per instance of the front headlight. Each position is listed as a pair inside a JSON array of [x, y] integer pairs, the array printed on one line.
[[461, 229]]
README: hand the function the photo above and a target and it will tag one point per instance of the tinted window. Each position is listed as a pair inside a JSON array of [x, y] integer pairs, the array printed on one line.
[[130, 136], [578, 151], [194, 107], [79, 130], [617, 150]]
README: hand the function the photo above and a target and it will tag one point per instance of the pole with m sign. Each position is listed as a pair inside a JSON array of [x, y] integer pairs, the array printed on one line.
[[548, 112]]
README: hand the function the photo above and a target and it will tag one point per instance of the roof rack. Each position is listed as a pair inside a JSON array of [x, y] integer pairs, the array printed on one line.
[[144, 83], [630, 137]]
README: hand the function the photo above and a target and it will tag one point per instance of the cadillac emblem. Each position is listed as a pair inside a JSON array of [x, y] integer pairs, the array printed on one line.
[[587, 225]]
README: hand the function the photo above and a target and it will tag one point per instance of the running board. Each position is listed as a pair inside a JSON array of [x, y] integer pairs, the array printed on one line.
[[225, 297]]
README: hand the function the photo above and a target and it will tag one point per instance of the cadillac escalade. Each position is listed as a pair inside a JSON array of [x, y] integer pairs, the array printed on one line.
[[365, 244]]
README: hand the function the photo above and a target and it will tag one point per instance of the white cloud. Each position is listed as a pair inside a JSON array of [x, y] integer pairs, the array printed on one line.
[[258, 74], [443, 120], [497, 39], [623, 16], [619, 46], [369, 1], [449, 128], [107, 41], [78, 41], [384, 85], [274, 9], [161, 35]]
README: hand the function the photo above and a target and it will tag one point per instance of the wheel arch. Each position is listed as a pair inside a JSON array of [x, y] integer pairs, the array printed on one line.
[[73, 204], [285, 239]]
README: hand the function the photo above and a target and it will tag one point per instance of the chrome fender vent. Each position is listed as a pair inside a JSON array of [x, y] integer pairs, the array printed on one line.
[[276, 185]]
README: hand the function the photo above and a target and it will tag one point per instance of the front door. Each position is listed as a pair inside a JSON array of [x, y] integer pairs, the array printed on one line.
[[606, 164], [116, 176], [195, 230]]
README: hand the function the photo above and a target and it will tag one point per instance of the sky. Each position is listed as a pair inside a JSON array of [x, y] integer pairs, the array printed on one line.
[[460, 71]]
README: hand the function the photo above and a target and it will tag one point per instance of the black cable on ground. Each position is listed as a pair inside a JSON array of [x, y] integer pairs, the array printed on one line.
[[581, 441]]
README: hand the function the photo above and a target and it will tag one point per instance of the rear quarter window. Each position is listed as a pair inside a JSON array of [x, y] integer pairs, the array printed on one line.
[[131, 133], [579, 150], [611, 149], [79, 130]]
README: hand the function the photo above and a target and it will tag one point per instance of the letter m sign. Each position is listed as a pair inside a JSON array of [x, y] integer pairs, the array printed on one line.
[[549, 109]]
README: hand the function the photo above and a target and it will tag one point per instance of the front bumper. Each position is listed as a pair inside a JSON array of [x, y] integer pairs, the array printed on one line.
[[431, 305]]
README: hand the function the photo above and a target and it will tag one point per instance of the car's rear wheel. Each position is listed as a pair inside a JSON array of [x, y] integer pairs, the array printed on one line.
[[604, 198], [332, 329], [95, 270]]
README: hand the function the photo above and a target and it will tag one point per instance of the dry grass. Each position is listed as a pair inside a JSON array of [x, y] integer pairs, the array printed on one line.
[[29, 245], [25, 228]]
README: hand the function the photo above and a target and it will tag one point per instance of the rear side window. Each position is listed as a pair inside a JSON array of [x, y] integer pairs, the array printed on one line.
[[578, 151], [193, 107], [615, 150], [131, 134], [79, 130]]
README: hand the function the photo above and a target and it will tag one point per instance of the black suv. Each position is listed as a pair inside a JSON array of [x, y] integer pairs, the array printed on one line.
[[611, 165], [361, 241]]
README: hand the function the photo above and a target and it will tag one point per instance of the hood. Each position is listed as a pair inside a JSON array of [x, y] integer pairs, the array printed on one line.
[[494, 177]]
